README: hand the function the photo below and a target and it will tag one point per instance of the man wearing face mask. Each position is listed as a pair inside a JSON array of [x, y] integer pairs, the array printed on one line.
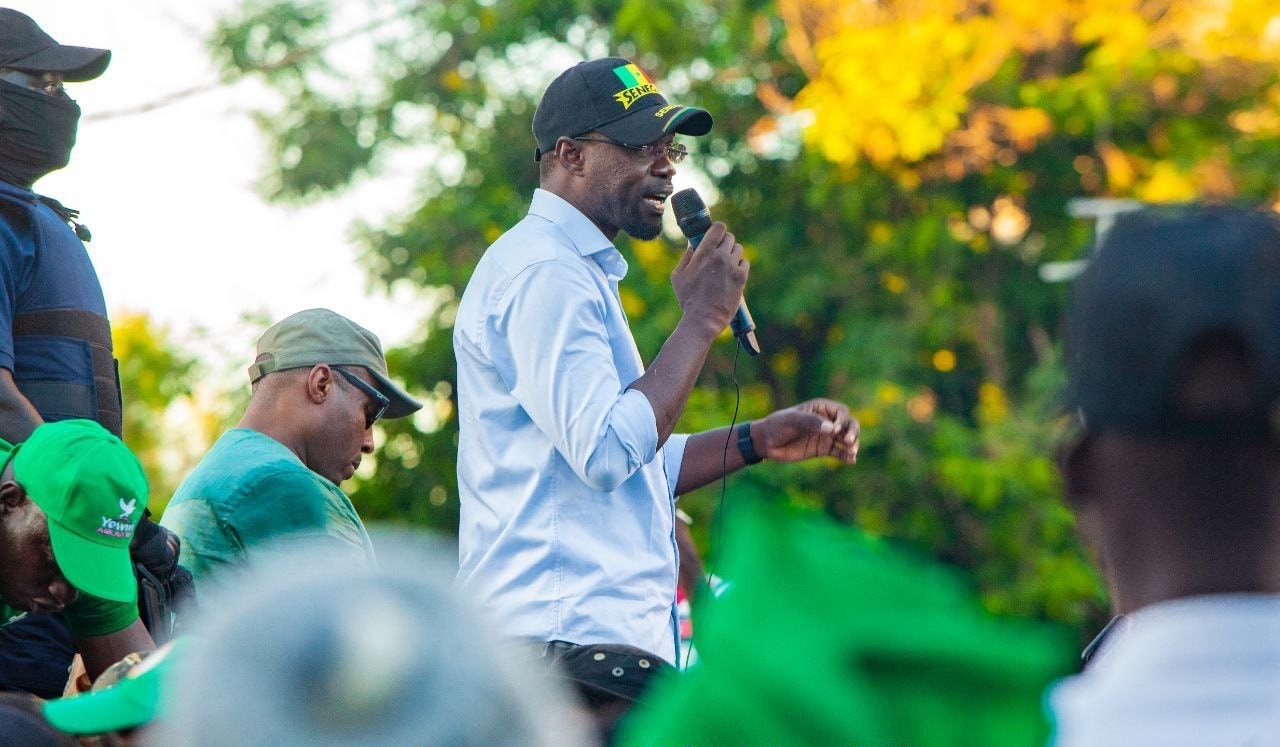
[[56, 359]]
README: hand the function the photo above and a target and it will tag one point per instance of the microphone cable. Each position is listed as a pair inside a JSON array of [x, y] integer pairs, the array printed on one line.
[[717, 521]]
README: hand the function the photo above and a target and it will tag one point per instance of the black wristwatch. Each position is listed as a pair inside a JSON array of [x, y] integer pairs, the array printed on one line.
[[745, 448]]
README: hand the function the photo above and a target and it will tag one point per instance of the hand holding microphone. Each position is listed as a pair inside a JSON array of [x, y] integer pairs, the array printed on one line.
[[694, 220]]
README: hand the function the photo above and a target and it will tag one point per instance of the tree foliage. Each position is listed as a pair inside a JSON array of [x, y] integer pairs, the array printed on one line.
[[898, 172], [164, 423]]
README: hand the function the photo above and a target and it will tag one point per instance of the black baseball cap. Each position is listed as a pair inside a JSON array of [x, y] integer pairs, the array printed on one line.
[[612, 96], [25, 46], [1162, 282]]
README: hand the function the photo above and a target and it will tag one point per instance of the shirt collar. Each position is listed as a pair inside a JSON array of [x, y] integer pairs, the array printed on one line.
[[585, 236]]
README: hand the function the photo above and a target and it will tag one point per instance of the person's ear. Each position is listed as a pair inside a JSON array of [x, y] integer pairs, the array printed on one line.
[[570, 154], [1077, 462], [319, 383], [11, 495]]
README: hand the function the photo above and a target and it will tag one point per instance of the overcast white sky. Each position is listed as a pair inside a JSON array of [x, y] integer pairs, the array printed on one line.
[[178, 229]]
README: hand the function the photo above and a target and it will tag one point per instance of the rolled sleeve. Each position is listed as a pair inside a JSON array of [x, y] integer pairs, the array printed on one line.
[[630, 442], [673, 458]]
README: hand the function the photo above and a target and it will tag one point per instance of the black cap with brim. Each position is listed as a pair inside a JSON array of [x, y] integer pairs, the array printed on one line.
[[649, 124], [614, 97], [25, 46], [76, 64]]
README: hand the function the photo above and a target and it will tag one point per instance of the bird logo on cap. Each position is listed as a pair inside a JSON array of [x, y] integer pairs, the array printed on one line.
[[122, 525]]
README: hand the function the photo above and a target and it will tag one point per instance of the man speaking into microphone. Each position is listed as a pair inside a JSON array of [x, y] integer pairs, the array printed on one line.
[[568, 469]]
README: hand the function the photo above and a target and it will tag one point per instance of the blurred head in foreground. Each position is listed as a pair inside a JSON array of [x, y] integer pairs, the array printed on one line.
[[301, 653], [1173, 358]]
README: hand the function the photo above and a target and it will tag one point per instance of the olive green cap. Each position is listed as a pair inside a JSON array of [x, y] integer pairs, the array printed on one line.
[[316, 336]]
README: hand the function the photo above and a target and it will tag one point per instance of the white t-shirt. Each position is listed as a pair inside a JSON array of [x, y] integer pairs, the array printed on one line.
[[1200, 671]]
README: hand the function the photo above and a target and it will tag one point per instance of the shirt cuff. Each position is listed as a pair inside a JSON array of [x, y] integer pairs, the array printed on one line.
[[673, 458]]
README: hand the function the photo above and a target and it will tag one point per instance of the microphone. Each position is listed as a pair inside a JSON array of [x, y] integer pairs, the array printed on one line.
[[694, 219]]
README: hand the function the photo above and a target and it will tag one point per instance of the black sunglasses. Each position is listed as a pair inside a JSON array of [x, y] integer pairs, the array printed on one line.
[[376, 396]]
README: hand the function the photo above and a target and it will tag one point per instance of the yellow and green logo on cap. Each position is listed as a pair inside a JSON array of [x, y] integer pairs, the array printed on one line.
[[93, 492], [636, 83]]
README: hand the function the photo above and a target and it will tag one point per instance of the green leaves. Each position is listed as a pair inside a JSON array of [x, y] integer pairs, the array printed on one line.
[[320, 149], [276, 38]]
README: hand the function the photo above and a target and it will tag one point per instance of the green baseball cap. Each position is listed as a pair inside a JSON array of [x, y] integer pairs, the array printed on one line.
[[93, 492], [315, 336], [132, 700]]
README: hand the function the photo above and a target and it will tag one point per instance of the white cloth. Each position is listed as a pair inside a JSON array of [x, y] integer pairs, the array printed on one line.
[[1195, 672]]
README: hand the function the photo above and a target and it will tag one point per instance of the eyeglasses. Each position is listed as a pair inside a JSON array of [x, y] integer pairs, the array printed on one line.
[[376, 396], [675, 152], [50, 84]]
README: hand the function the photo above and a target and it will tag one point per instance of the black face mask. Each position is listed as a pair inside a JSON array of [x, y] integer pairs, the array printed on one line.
[[37, 132]]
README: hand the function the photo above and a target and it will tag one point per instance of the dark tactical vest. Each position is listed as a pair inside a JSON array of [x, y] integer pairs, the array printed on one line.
[[63, 359]]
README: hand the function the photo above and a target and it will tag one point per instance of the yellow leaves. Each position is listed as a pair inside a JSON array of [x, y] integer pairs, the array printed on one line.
[[653, 256], [786, 362], [993, 405], [1214, 177], [131, 330], [1262, 120], [893, 283], [1242, 29], [633, 304], [1120, 173], [1164, 88], [1162, 180], [1119, 31], [1024, 127], [1167, 183], [888, 393], [868, 417], [944, 360], [891, 82], [1039, 24], [880, 232], [993, 134], [452, 80], [895, 87], [920, 406]]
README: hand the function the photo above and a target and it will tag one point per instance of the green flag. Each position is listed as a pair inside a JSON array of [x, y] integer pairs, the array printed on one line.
[[828, 638]]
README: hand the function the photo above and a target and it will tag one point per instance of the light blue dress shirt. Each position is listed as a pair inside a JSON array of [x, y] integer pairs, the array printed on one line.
[[567, 516]]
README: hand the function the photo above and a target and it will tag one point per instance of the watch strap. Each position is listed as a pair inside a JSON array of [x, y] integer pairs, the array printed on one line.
[[745, 447]]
